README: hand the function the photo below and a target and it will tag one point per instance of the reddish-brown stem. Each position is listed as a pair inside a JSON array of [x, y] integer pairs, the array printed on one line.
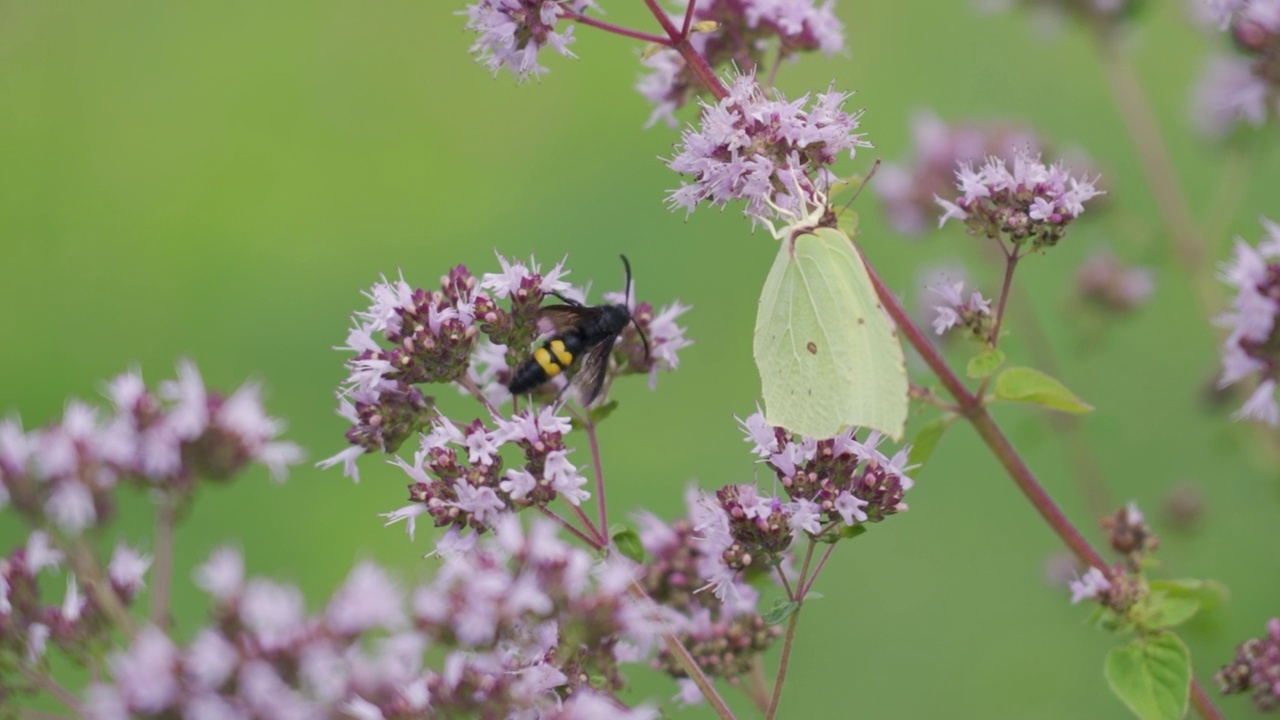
[[786, 584], [1011, 263], [688, 19], [163, 576], [973, 410], [619, 30], [804, 591], [693, 59], [53, 687], [758, 691], [1203, 705], [789, 638], [590, 542], [595, 461], [590, 527], [687, 663]]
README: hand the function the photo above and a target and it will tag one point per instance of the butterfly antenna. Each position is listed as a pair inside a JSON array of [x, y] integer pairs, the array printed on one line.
[[870, 174], [627, 264]]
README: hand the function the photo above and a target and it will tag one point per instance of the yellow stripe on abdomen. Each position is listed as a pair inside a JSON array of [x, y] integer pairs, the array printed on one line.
[[547, 364], [564, 357]]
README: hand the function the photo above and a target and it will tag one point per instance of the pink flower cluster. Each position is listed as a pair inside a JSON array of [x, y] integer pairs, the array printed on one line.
[[1026, 203], [67, 472], [770, 152], [742, 35], [1244, 87], [513, 32], [829, 483], [1251, 348], [525, 624]]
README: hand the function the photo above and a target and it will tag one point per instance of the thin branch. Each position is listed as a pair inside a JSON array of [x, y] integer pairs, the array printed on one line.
[[1006, 455], [687, 663], [688, 19], [759, 691], [98, 587], [786, 584], [1011, 264], [693, 59], [1130, 98], [619, 30], [53, 687], [568, 526], [783, 662], [161, 580], [804, 591], [602, 509]]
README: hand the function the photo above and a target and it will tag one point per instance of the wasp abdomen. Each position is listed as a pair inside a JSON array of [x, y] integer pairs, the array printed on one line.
[[548, 361]]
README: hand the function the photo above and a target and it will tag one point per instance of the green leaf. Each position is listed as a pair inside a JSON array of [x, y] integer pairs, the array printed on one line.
[[852, 531], [598, 414], [1152, 675], [813, 595], [1209, 593], [927, 439], [1020, 384], [986, 363], [628, 543], [780, 611], [827, 353], [1166, 611]]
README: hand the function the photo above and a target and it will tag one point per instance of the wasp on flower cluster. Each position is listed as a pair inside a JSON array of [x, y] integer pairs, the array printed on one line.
[[586, 331]]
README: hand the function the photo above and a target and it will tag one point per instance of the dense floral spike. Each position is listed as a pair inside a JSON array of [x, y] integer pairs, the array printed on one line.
[[458, 476], [1244, 88], [1253, 347], [513, 32], [745, 34], [726, 637], [771, 153], [472, 333], [1028, 203], [67, 472], [1108, 283], [830, 483], [521, 623], [1256, 668], [952, 310]]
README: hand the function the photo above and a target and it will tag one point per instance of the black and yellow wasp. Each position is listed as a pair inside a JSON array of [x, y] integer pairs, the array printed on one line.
[[580, 330]]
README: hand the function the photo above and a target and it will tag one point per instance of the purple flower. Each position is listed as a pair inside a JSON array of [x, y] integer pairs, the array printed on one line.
[[743, 36], [1250, 349], [1257, 668], [1025, 202], [1242, 88], [1091, 586], [953, 311], [513, 32], [1107, 282], [771, 153], [907, 190]]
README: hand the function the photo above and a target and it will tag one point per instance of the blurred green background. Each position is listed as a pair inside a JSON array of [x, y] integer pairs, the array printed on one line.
[[220, 180]]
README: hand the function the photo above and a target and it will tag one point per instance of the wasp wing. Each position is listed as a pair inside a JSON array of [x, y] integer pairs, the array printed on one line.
[[562, 318], [586, 383]]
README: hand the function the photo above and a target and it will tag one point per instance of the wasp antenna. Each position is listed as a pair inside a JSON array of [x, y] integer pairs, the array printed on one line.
[[626, 264], [643, 339]]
